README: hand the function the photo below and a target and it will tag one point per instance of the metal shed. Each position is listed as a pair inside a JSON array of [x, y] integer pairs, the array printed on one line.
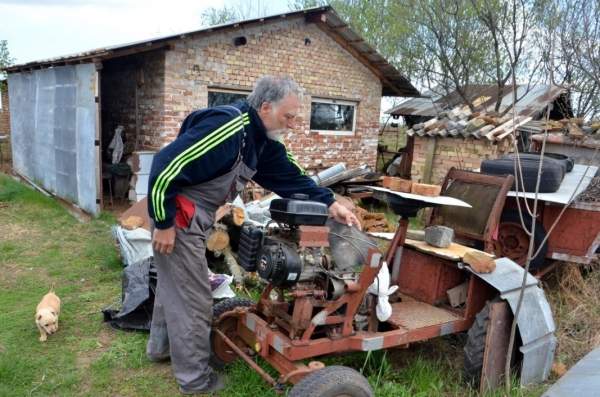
[[54, 130]]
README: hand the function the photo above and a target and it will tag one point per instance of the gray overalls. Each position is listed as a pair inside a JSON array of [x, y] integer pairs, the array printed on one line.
[[182, 315]]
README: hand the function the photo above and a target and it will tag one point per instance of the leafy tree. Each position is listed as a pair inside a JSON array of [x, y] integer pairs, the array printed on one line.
[[5, 58]]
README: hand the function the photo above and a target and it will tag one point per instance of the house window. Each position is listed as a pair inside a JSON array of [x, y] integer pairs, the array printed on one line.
[[332, 117], [217, 97]]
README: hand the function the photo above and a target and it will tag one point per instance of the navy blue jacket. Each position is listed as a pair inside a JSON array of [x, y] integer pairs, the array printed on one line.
[[207, 147]]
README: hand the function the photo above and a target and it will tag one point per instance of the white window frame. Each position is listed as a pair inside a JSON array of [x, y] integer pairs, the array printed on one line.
[[225, 91], [336, 102]]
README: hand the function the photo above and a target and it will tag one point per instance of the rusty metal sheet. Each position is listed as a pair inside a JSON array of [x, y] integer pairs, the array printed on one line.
[[414, 315], [535, 322]]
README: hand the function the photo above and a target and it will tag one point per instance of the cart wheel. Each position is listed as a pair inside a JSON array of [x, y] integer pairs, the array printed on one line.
[[221, 354], [475, 346], [513, 241], [333, 381]]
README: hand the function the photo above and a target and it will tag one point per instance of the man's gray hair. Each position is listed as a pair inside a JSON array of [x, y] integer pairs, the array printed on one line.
[[272, 89]]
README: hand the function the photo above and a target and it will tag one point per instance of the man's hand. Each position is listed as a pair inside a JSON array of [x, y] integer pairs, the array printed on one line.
[[163, 240], [343, 215]]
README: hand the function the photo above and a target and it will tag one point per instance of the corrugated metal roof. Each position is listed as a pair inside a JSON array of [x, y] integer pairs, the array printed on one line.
[[393, 82], [530, 100], [460, 121]]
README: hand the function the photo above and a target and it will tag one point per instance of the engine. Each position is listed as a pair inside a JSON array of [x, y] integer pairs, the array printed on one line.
[[301, 250]]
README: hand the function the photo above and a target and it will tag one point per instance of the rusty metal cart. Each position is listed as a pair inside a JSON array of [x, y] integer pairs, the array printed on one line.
[[302, 315], [576, 236]]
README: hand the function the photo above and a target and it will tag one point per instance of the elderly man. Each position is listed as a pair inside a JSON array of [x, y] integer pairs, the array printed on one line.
[[217, 151]]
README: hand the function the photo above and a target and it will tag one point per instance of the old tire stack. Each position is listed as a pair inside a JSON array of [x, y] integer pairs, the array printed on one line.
[[553, 172]]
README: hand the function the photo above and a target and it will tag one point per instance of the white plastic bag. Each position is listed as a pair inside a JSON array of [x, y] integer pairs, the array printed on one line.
[[381, 288]]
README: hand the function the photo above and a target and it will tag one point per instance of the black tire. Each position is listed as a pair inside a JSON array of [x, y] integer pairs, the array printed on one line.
[[565, 161], [551, 178], [219, 309], [475, 346], [333, 381], [513, 241]]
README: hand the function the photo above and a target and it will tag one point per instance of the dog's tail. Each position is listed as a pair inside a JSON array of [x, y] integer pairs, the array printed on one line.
[[52, 288]]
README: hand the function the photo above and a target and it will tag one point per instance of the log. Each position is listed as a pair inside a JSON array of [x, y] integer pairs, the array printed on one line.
[[132, 222], [236, 270], [218, 240], [233, 217]]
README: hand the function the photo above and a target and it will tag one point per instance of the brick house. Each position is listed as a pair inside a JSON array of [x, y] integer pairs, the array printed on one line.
[[443, 133], [4, 123], [149, 87]]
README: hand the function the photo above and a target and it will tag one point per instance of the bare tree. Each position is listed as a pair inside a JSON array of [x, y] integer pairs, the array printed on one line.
[[237, 11], [569, 39]]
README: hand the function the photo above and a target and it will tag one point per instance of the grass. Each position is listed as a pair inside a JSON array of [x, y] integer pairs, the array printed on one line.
[[42, 245]]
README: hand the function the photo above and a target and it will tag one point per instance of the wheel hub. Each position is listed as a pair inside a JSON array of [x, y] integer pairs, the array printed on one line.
[[513, 242]]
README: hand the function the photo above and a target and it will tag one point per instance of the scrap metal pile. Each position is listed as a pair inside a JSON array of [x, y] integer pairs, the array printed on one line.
[[592, 193], [574, 127], [461, 122]]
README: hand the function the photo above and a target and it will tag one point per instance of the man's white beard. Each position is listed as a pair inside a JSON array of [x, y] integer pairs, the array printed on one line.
[[276, 135]]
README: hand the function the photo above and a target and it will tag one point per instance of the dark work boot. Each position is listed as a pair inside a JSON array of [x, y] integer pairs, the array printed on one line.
[[215, 384]]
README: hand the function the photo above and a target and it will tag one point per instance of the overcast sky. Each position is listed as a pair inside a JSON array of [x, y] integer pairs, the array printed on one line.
[[39, 29]]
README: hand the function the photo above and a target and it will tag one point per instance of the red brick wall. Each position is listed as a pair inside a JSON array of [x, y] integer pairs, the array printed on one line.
[[119, 78], [323, 69], [4, 121], [453, 152]]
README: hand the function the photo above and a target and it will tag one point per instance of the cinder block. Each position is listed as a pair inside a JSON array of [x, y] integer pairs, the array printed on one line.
[[439, 236]]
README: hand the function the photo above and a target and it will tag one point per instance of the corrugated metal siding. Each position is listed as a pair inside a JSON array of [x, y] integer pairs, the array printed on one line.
[[53, 128]]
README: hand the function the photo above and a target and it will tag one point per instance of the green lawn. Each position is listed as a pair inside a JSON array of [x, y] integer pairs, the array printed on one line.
[[41, 244]]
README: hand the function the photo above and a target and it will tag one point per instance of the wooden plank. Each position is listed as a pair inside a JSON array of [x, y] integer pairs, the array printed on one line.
[[496, 346], [98, 139], [429, 153], [454, 252]]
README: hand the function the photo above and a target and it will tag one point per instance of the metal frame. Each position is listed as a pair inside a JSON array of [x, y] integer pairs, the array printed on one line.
[[503, 182], [283, 340]]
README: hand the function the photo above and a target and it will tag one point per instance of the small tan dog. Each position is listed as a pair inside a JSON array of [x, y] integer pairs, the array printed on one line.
[[46, 316]]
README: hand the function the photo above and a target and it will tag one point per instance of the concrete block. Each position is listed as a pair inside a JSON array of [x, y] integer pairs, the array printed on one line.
[[439, 236]]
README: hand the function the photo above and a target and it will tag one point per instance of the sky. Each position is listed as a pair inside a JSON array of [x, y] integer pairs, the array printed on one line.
[[41, 29]]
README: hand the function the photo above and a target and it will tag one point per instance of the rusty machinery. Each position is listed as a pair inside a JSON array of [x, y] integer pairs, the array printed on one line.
[[316, 301]]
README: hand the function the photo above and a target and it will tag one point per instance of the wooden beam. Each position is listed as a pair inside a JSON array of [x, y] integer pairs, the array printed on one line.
[[429, 154]]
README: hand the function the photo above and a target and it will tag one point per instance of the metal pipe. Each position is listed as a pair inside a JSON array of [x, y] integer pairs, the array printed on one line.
[[329, 172], [246, 358]]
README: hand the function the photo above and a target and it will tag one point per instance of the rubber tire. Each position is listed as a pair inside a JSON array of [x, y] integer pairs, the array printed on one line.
[[568, 161], [332, 381], [475, 347], [512, 216], [219, 309], [565, 161], [551, 178]]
